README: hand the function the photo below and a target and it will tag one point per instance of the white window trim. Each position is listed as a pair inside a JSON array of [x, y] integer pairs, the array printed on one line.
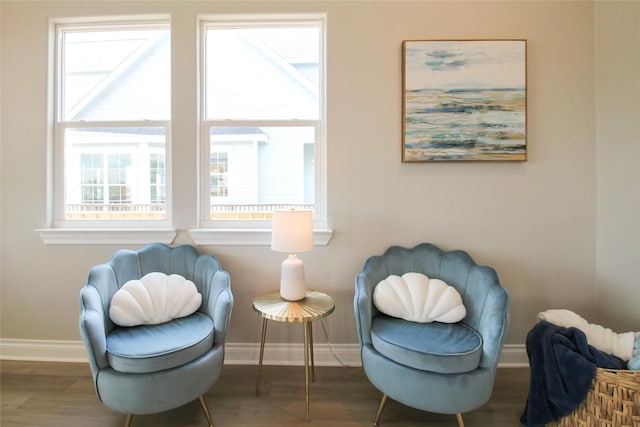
[[60, 231], [258, 232], [132, 232], [105, 236]]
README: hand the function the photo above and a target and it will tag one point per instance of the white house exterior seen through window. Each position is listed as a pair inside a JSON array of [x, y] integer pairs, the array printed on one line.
[[262, 124], [112, 128]]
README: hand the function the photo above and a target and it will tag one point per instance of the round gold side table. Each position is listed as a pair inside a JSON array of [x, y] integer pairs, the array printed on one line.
[[314, 306]]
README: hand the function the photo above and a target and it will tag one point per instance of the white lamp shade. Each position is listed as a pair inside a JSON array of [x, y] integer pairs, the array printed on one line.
[[292, 231]]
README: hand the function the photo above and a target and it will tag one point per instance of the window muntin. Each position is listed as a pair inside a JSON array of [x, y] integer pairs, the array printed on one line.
[[112, 130], [262, 97]]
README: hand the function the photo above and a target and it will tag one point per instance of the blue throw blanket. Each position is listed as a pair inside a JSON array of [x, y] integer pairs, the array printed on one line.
[[562, 366]]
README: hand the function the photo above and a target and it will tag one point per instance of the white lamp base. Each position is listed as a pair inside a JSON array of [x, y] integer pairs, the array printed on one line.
[[292, 284]]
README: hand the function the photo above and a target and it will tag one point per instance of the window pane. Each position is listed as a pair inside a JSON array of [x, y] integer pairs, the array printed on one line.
[[119, 74], [255, 170], [157, 178], [262, 73], [119, 166], [91, 177], [114, 173], [219, 176]]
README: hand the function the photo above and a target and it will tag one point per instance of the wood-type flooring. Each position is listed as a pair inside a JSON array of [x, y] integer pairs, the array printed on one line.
[[55, 394]]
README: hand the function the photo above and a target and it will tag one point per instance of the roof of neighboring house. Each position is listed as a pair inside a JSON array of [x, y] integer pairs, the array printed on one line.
[[139, 80]]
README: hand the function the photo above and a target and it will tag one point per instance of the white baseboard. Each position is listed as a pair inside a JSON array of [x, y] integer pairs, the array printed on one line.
[[513, 355], [42, 350], [293, 354]]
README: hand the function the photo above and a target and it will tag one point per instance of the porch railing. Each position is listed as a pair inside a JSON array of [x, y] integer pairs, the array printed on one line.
[[158, 210], [115, 211], [253, 210]]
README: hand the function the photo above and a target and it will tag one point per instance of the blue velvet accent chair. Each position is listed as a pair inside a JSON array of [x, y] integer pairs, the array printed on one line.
[[437, 367], [149, 369]]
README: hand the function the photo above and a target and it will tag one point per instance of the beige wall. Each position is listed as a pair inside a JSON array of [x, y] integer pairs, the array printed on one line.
[[548, 225], [618, 166]]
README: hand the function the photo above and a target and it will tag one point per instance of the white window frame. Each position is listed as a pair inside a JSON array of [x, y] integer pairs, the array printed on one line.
[[108, 231], [258, 232]]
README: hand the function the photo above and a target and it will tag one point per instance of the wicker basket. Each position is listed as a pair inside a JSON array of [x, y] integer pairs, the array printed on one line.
[[613, 401]]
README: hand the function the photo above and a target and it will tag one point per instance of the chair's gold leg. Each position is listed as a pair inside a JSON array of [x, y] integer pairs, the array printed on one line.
[[203, 403], [127, 421], [459, 419], [383, 402]]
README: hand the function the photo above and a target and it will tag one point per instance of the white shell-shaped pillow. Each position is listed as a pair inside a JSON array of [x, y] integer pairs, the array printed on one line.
[[155, 298], [417, 298]]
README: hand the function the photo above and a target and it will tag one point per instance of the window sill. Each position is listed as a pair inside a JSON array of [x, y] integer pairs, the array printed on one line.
[[105, 236], [213, 236]]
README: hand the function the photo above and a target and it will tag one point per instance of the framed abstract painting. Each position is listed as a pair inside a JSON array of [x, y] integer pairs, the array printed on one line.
[[464, 100]]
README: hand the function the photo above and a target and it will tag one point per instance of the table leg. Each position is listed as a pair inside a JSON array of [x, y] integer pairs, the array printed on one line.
[[313, 365], [306, 367], [264, 335]]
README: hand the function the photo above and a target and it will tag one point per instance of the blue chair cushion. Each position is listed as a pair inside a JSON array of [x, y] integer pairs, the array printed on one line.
[[152, 348], [447, 348]]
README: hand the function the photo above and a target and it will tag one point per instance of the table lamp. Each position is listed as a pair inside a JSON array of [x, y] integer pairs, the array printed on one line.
[[292, 233]]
